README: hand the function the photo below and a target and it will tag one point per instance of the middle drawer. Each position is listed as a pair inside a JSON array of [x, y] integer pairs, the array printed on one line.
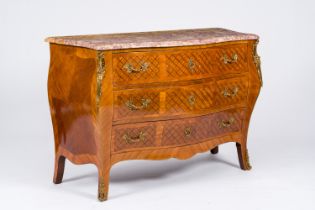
[[179, 100]]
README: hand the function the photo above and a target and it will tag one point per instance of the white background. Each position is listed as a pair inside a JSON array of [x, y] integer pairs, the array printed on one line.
[[281, 137]]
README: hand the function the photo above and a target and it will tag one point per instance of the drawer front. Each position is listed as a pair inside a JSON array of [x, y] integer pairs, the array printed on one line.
[[190, 99], [227, 121], [136, 103], [179, 64], [187, 64], [187, 131], [194, 130], [181, 100], [207, 62], [163, 101], [134, 136], [176, 132], [231, 91], [231, 59], [136, 68]]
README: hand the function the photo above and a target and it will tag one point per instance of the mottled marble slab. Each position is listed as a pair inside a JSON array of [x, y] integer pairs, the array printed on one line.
[[153, 39]]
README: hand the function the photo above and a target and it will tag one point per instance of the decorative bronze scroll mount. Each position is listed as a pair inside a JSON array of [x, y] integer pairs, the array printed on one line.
[[100, 72], [247, 160], [257, 62], [102, 193]]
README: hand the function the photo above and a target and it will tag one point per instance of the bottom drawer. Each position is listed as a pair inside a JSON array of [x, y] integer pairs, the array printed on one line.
[[134, 136], [176, 132], [198, 129]]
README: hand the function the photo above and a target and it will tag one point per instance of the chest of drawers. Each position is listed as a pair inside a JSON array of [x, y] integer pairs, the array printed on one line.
[[150, 95]]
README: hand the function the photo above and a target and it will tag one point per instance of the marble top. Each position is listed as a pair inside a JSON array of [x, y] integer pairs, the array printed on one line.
[[152, 39]]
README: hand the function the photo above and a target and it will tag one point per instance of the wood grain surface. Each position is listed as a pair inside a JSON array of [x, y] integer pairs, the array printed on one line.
[[150, 103]]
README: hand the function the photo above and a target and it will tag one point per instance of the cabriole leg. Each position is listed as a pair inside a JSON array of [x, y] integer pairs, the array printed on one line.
[[243, 156], [59, 169], [103, 184]]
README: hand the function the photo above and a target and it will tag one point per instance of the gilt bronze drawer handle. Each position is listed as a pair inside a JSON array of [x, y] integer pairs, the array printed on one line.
[[230, 92], [130, 140], [227, 60], [131, 69], [187, 132], [144, 104], [226, 123], [191, 100], [191, 65]]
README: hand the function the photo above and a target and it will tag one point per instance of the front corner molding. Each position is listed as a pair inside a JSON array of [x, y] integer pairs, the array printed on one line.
[[100, 72], [257, 62]]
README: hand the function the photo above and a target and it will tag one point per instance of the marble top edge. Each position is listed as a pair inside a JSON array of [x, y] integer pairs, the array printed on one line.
[[171, 38]]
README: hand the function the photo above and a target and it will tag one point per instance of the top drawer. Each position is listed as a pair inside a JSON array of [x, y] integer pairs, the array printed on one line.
[[206, 62], [136, 68], [178, 64]]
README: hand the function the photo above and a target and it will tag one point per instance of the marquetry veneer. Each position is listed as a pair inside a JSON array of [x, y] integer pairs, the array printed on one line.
[[153, 95]]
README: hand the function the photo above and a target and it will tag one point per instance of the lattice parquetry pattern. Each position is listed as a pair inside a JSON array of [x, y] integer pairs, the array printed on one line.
[[233, 67], [230, 85], [202, 128], [121, 144], [180, 132], [206, 62], [123, 111], [189, 63], [216, 119], [122, 76], [190, 99]]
